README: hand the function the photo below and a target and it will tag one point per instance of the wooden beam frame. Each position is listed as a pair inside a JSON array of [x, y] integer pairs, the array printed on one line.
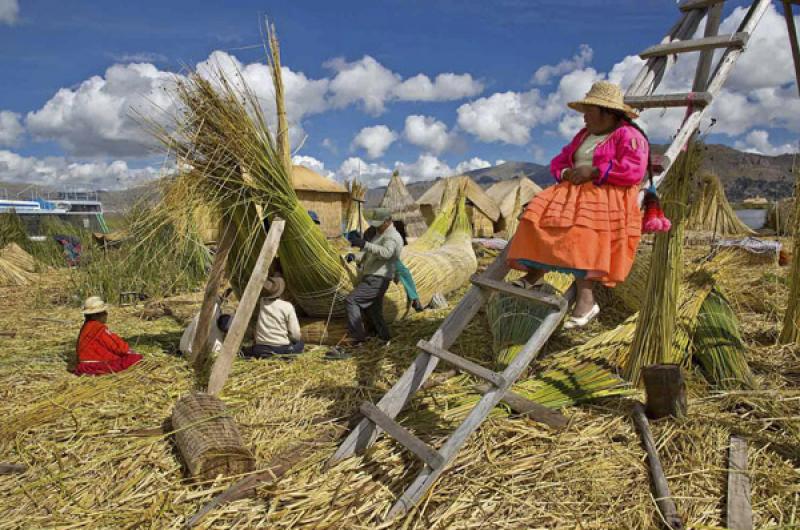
[[790, 26]]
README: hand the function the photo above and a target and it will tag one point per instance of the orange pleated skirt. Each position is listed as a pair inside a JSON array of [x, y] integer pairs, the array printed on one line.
[[588, 228]]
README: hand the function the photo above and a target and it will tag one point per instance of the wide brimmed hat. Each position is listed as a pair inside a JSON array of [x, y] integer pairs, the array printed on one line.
[[273, 288], [604, 94], [94, 305], [378, 216]]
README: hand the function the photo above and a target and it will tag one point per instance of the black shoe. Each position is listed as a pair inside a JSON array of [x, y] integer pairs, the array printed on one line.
[[417, 305], [337, 354]]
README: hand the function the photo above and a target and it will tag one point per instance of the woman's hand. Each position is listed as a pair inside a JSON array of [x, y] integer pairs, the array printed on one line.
[[581, 174]]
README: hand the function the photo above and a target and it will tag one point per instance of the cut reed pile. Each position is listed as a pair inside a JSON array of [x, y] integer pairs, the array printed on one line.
[[16, 265], [354, 217], [710, 210]]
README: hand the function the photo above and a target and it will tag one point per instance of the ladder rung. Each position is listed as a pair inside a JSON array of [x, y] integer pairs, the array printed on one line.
[[463, 364], [507, 288], [699, 4], [698, 99], [737, 40], [428, 454]]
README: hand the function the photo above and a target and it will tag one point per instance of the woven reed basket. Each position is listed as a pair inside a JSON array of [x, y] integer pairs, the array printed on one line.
[[208, 438]]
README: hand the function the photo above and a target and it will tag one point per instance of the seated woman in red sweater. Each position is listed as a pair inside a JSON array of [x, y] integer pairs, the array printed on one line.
[[98, 350]]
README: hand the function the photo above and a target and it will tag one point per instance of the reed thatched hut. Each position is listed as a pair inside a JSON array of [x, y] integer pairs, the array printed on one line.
[[400, 202], [482, 210], [326, 197], [505, 195]]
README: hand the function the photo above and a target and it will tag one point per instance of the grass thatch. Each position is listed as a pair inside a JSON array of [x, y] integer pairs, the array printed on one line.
[[710, 210], [403, 207], [781, 216], [16, 265], [354, 217]]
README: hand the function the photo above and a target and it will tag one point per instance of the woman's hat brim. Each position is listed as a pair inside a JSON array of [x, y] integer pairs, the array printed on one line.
[[581, 105]]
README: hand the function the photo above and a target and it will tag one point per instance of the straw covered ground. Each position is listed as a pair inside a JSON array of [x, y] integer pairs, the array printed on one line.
[[97, 456]]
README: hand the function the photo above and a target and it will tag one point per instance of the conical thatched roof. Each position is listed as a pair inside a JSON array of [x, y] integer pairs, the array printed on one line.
[[400, 202], [474, 193], [505, 193], [304, 179]]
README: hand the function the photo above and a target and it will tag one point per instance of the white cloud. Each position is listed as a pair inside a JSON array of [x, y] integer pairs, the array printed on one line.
[[426, 167], [60, 171], [757, 141], [9, 12], [502, 117], [539, 155], [428, 133], [446, 87], [545, 73], [330, 145], [374, 140], [10, 128], [370, 174], [139, 57], [313, 164], [471, 164], [499, 162]]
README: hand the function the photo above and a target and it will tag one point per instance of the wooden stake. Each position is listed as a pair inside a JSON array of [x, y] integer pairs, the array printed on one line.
[[669, 512], [666, 390], [789, 15], [199, 352], [233, 340], [740, 513]]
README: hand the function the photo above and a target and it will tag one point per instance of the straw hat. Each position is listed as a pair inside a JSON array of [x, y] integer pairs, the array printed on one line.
[[604, 94], [94, 305], [273, 288]]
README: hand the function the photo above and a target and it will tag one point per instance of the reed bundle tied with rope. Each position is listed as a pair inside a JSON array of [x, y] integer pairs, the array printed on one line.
[[710, 210], [354, 216]]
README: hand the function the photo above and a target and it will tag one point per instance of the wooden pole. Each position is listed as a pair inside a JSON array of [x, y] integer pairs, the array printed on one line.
[[204, 322], [706, 56], [740, 512], [789, 15], [669, 512], [666, 390], [233, 340]]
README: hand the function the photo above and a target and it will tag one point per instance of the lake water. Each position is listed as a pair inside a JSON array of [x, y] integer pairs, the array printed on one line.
[[754, 218]]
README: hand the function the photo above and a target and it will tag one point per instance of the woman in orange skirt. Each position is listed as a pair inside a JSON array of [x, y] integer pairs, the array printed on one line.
[[589, 223]]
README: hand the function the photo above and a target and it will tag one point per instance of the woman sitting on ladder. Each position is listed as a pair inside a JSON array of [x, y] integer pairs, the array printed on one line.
[[589, 224]]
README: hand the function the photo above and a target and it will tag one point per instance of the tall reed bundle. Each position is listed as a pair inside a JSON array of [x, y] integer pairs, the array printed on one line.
[[354, 218], [656, 324], [16, 265], [513, 221], [781, 216], [710, 210], [790, 333]]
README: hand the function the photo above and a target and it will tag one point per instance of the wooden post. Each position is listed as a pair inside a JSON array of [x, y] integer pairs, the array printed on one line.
[[204, 322], [740, 513], [789, 15], [233, 340], [669, 512], [666, 390], [706, 56]]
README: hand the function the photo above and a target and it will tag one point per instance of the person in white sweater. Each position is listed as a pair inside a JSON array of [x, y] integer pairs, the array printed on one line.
[[277, 330]]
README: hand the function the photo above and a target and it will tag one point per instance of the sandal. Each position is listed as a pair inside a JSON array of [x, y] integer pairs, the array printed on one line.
[[578, 322]]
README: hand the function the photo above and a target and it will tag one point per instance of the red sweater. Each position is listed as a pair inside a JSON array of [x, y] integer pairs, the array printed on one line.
[[97, 343]]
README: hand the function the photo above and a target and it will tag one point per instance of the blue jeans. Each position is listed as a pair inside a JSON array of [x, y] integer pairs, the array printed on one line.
[[261, 351]]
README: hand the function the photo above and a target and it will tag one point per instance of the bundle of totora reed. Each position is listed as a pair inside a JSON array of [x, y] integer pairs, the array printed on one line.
[[790, 332], [16, 265], [710, 210], [513, 221], [781, 216], [354, 218], [656, 323]]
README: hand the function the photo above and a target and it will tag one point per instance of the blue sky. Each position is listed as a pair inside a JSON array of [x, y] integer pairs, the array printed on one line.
[[428, 87]]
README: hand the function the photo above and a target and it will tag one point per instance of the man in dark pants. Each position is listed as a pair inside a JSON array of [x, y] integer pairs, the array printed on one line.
[[377, 269]]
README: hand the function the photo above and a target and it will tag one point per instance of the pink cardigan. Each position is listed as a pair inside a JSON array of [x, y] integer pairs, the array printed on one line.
[[621, 158]]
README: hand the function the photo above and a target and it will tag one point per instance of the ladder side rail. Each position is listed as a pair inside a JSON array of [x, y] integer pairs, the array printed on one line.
[[488, 401], [707, 56], [650, 62], [718, 78], [366, 432]]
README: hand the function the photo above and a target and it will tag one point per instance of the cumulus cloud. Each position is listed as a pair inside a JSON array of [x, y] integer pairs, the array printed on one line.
[[445, 87], [428, 133], [471, 164], [60, 171], [757, 141], [545, 73], [370, 174], [139, 57], [313, 164], [9, 12], [502, 117], [10, 128], [374, 140], [426, 167]]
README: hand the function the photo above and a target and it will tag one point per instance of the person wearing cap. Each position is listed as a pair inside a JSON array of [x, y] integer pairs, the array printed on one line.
[[377, 269], [277, 329], [98, 350], [402, 273], [589, 223]]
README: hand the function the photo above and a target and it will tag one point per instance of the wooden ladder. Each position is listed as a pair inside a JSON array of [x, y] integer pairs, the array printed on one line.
[[641, 93], [380, 418]]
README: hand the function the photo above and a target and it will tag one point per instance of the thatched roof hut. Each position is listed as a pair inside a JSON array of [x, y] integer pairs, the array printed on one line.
[[505, 194], [400, 202], [482, 210], [326, 197]]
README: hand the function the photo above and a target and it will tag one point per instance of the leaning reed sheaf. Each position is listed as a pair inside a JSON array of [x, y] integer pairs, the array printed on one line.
[[790, 332], [710, 210]]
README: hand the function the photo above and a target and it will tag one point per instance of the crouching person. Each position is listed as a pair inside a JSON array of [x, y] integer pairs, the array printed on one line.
[[99, 351], [277, 330]]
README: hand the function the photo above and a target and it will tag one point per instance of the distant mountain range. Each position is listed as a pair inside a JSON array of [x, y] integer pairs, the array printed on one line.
[[744, 175]]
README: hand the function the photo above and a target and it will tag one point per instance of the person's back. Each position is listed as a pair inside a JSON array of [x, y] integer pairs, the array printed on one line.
[[277, 323]]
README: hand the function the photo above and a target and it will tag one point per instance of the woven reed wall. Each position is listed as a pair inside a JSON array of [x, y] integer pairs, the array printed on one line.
[[482, 226], [330, 208]]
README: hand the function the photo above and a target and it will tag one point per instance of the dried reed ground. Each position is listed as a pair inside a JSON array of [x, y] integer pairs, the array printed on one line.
[[87, 471]]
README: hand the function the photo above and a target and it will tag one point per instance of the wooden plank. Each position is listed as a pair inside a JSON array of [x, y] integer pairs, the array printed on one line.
[[530, 409], [699, 4], [699, 99], [706, 56], [233, 340], [202, 330], [790, 26], [666, 505], [478, 414], [739, 509], [12, 469], [503, 287], [736, 40], [427, 453], [465, 365], [365, 433], [666, 390]]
